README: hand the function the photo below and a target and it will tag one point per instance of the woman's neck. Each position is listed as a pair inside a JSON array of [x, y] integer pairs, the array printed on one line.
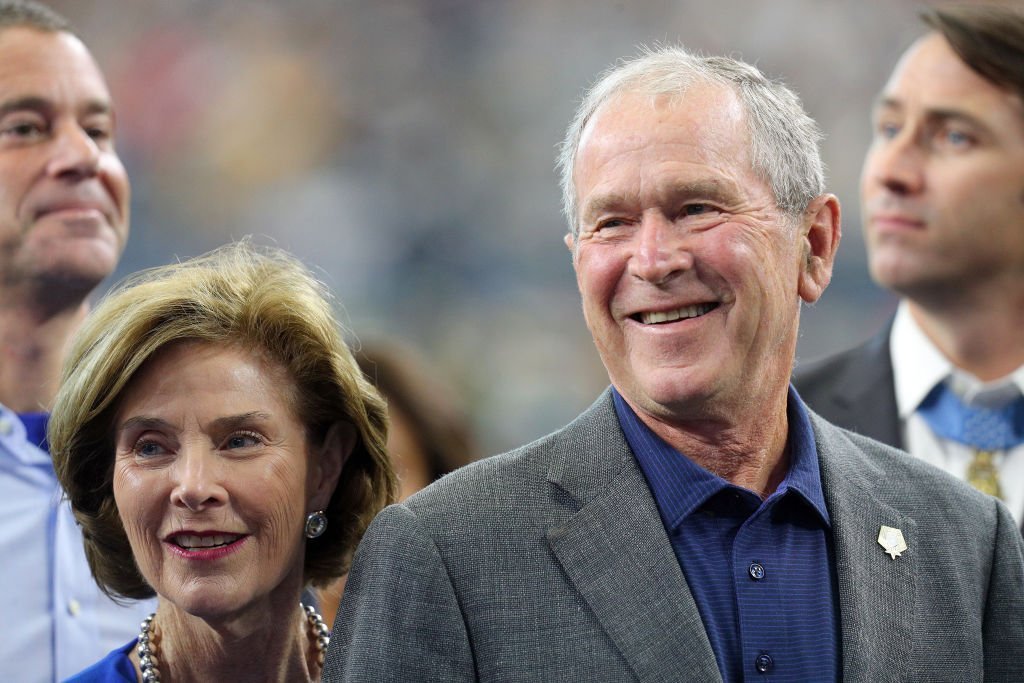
[[274, 645]]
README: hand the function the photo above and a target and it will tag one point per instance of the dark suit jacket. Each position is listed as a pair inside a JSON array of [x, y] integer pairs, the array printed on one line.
[[855, 389], [551, 563]]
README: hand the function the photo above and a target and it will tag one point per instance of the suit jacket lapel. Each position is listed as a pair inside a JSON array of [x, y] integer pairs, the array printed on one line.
[[614, 550], [865, 393], [876, 592]]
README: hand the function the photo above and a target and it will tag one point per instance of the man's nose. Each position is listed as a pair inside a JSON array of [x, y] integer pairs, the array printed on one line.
[[660, 254], [75, 153], [897, 164]]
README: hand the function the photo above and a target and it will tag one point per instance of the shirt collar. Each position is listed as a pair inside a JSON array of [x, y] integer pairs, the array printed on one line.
[[680, 486], [918, 366]]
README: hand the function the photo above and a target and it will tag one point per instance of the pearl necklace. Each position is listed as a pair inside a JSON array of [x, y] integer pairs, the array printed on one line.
[[147, 647]]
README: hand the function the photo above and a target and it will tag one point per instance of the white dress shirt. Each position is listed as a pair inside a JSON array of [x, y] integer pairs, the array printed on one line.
[[917, 367], [54, 621]]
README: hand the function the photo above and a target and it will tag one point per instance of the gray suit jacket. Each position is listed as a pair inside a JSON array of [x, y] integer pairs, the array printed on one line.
[[551, 563]]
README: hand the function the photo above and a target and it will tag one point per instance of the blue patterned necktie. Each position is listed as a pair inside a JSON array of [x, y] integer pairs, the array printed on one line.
[[984, 429]]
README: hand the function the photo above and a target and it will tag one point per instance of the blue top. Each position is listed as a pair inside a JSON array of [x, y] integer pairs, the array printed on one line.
[[35, 429], [54, 621], [761, 572], [114, 668]]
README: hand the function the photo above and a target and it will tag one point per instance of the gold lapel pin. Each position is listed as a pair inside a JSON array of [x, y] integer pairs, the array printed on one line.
[[892, 540]]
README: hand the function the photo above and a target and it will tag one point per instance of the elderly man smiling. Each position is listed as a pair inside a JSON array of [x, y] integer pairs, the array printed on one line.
[[696, 522]]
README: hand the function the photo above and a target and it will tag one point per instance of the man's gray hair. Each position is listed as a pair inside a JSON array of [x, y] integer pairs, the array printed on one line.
[[783, 138], [29, 14]]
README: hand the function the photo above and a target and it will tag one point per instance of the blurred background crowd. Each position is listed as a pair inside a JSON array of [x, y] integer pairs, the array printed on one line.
[[405, 150]]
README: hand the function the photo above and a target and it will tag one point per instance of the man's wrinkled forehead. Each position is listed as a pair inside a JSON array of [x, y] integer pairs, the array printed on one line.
[[695, 125], [655, 95], [726, 117]]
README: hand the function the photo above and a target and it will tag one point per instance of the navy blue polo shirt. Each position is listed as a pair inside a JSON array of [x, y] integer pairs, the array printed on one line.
[[762, 572]]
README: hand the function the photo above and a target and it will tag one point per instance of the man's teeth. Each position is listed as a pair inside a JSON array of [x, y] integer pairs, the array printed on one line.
[[190, 542], [678, 314]]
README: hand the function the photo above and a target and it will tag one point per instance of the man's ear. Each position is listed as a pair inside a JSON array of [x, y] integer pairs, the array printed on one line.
[[820, 233], [329, 462], [570, 242]]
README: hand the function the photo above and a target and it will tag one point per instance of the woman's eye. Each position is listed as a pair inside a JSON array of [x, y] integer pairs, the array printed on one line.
[[148, 449]]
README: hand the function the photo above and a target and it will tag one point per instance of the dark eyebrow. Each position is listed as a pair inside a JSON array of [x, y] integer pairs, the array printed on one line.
[[220, 424], [935, 113], [235, 421], [41, 104], [22, 103], [141, 421]]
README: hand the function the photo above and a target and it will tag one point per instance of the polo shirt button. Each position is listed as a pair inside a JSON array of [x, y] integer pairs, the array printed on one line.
[[74, 607], [6, 427], [756, 571], [763, 663]]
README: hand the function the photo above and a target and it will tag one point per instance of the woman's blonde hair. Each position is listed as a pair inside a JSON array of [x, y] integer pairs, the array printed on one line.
[[259, 299]]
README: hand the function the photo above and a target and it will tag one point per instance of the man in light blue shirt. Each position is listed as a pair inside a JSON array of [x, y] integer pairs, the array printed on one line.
[[63, 225]]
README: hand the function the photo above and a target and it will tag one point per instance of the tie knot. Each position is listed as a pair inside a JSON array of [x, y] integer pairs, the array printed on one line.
[[986, 427]]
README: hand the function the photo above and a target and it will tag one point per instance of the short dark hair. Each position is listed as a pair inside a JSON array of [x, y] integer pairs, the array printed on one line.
[[14, 13], [988, 38], [260, 300]]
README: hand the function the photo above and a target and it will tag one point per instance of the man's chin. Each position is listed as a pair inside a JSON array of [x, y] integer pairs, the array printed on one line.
[[667, 396], [67, 284]]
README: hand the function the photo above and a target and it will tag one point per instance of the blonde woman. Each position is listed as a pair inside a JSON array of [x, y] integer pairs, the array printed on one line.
[[221, 450]]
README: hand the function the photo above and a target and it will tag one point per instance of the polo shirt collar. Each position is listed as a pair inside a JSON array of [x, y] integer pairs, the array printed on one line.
[[680, 486]]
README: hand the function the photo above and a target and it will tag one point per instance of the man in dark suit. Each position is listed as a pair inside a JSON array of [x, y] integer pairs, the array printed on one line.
[[943, 207], [696, 522]]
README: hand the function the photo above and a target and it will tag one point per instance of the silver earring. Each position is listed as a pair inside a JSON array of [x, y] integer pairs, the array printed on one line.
[[316, 524]]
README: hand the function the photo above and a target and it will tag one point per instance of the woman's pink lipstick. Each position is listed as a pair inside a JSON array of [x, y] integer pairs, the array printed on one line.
[[205, 545]]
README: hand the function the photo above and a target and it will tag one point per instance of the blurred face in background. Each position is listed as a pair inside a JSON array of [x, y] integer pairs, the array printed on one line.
[[943, 181], [63, 190], [411, 462]]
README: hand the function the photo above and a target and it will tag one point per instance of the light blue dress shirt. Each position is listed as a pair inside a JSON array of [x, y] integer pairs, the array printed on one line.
[[54, 621]]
